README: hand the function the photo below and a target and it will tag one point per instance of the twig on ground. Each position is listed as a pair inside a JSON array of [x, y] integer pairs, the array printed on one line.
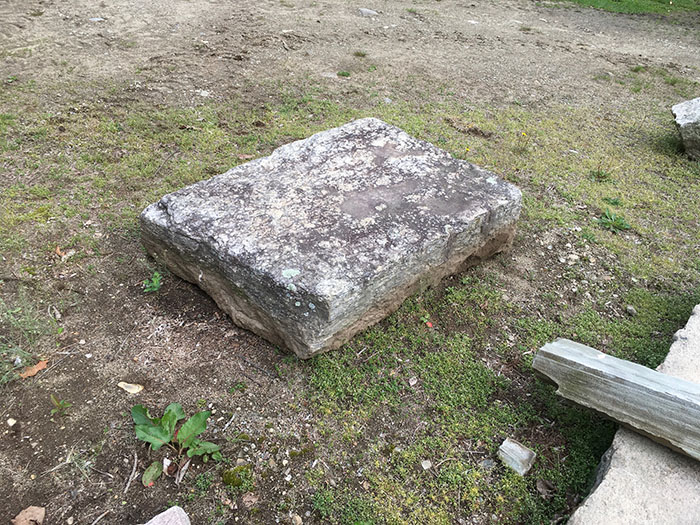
[[164, 163], [66, 462], [100, 517], [259, 368], [127, 337], [68, 354], [446, 459], [229, 422], [246, 375], [133, 473], [100, 471], [250, 377]]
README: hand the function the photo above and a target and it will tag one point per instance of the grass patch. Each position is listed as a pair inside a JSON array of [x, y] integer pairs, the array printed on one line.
[[641, 6], [404, 391], [613, 222], [21, 326]]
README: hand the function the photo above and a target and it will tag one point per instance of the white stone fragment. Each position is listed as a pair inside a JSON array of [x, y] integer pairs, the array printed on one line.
[[173, 516], [516, 456], [367, 12], [687, 116]]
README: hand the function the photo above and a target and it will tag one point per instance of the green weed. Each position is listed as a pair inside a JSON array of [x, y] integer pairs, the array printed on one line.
[[154, 283], [60, 406], [164, 432], [613, 201], [613, 222]]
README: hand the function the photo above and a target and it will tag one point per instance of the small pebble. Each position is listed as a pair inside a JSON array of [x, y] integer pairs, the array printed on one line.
[[631, 310], [487, 464], [367, 12]]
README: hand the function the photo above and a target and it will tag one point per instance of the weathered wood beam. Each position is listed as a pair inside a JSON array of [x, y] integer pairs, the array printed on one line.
[[662, 407]]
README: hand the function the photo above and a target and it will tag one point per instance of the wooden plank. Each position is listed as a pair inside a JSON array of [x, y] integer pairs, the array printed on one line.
[[662, 407]]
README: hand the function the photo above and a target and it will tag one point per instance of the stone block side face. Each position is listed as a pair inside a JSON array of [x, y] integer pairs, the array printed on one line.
[[646, 482], [687, 115], [329, 235]]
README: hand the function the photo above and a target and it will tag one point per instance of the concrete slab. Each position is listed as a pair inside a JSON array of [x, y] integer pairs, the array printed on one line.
[[640, 480], [329, 235]]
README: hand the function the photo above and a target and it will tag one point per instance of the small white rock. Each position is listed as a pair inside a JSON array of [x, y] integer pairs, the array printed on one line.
[[426, 464], [367, 12], [516, 456], [11, 422]]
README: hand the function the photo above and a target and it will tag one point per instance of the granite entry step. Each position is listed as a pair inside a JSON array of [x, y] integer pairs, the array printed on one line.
[[330, 234]]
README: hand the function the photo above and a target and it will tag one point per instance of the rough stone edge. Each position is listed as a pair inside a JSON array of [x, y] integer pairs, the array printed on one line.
[[173, 516], [689, 131], [261, 323], [670, 366]]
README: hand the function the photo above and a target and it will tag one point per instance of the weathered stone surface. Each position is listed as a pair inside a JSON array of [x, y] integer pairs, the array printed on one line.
[[173, 516], [641, 481], [663, 407], [328, 235], [687, 116], [516, 456]]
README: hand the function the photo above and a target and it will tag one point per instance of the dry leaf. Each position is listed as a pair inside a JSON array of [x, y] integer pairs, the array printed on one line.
[[545, 488], [30, 516], [130, 387], [245, 157], [33, 370], [59, 252], [182, 471], [249, 499]]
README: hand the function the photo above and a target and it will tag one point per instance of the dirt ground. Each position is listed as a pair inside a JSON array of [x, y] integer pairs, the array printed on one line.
[[176, 343], [187, 50]]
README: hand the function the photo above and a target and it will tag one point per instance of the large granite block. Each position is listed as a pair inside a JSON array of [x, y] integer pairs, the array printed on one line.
[[329, 235], [687, 116]]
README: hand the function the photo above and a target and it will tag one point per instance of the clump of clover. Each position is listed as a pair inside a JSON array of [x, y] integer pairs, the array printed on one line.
[[183, 441]]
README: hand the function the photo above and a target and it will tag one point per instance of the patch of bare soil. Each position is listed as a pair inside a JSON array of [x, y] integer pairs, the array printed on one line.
[[185, 50]]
